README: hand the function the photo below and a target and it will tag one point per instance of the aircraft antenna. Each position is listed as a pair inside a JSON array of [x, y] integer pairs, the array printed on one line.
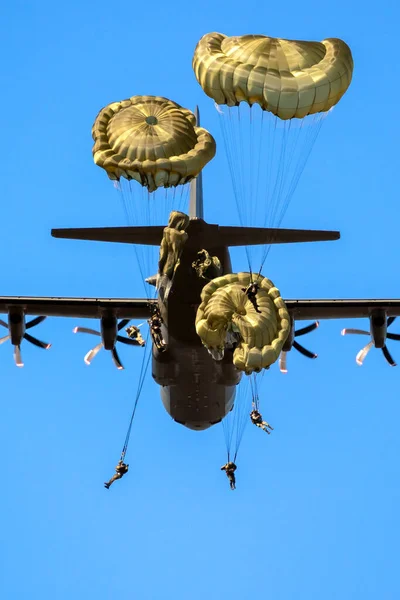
[[196, 187]]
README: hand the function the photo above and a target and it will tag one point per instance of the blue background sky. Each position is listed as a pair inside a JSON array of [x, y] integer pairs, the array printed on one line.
[[315, 514]]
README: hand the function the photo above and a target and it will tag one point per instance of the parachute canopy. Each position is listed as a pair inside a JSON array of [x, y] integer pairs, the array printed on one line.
[[152, 140], [288, 78], [226, 309]]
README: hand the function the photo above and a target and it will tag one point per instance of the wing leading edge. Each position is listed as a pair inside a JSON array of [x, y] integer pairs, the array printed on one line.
[[86, 308], [139, 308]]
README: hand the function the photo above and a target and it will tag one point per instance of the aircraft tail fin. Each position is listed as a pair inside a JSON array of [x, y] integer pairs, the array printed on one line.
[[196, 206]]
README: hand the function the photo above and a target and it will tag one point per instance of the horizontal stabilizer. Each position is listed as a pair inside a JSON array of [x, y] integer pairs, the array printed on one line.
[[201, 235], [255, 236], [148, 236]]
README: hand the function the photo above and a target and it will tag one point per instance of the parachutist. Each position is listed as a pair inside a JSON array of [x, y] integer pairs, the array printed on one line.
[[133, 333], [257, 420], [155, 323], [120, 470], [251, 293], [206, 266], [230, 469]]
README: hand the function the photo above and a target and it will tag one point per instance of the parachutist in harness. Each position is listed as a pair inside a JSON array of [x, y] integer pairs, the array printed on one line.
[[133, 333], [251, 293], [200, 264], [230, 469], [257, 420], [206, 266], [155, 323], [120, 470]]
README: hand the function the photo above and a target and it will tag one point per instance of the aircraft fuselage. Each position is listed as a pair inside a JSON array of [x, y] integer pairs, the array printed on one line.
[[196, 390]]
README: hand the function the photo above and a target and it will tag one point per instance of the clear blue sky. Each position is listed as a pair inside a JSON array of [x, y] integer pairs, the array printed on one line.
[[315, 515]]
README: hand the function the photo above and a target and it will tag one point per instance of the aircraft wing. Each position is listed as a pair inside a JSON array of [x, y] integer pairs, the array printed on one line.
[[302, 310], [139, 308], [87, 308]]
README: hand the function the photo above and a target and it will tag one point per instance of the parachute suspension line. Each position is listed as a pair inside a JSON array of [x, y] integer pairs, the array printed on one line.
[[273, 197], [127, 203], [228, 434], [313, 128], [266, 157], [259, 161], [142, 376], [252, 183], [280, 178], [235, 422], [244, 181], [271, 140], [229, 143], [241, 425], [255, 399], [313, 134], [144, 208]]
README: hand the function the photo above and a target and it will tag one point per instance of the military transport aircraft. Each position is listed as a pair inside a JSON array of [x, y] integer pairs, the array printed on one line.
[[196, 390]]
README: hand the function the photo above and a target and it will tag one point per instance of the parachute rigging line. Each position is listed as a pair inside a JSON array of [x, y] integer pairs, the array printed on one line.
[[309, 142], [144, 208], [142, 376], [129, 220], [230, 150], [255, 403], [234, 424], [266, 157]]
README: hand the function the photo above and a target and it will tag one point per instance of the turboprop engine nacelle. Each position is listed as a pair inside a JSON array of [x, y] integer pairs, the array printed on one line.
[[378, 326], [16, 325], [109, 331]]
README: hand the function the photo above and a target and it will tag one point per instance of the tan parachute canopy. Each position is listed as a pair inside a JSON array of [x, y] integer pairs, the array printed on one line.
[[226, 308], [288, 78], [152, 140]]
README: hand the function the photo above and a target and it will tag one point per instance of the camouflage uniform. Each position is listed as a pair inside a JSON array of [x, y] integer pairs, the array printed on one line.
[[257, 419], [134, 334], [251, 293], [230, 469], [121, 469], [206, 266]]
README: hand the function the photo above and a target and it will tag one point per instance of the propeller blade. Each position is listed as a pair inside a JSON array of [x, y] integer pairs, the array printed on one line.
[[122, 324], [393, 336], [363, 353], [34, 322], [4, 324], [127, 341], [358, 331], [390, 321], [92, 353], [36, 342], [4, 339], [307, 329], [388, 356], [85, 330], [282, 362], [116, 359], [18, 357], [304, 351]]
